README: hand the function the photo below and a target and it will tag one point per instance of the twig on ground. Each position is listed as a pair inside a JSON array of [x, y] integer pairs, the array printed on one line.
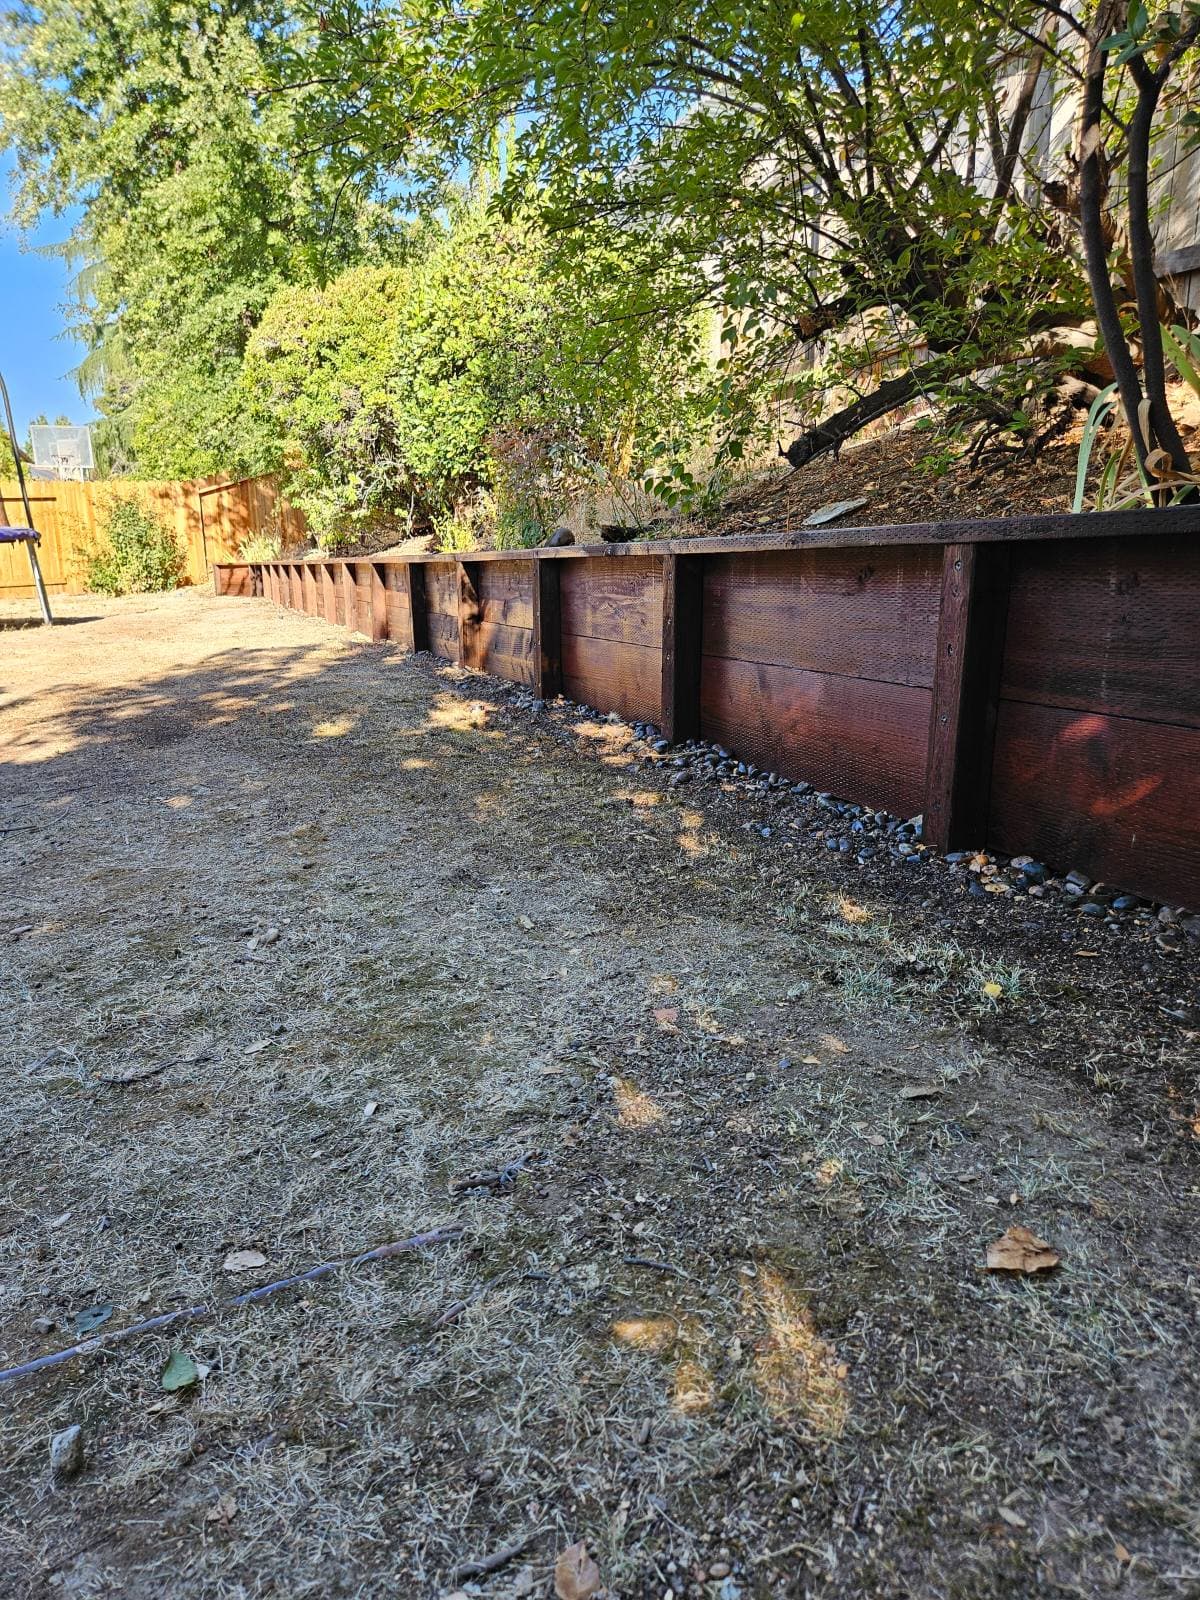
[[493, 1563], [383, 1252], [654, 1266], [500, 1179]]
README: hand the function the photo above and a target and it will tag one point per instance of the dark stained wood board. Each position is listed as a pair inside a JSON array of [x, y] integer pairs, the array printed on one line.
[[862, 613], [613, 600], [863, 740], [1115, 797], [505, 593], [1109, 626], [399, 614], [505, 652], [612, 675]]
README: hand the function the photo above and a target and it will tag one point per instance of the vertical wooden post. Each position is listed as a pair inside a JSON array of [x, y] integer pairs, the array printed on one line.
[[273, 586], [683, 598], [469, 615], [547, 627], [349, 598], [379, 616], [418, 608], [362, 588], [308, 582], [966, 677], [328, 592]]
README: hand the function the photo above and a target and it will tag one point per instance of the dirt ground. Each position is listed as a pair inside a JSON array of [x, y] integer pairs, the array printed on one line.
[[306, 947]]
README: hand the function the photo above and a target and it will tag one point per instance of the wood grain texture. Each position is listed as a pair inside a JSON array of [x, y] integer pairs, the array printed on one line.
[[443, 635], [505, 591], [547, 630], [396, 605], [962, 724], [682, 628], [506, 652], [308, 585], [441, 588], [612, 675], [614, 600], [362, 586], [864, 613], [862, 740], [328, 594], [349, 597], [1114, 797], [1111, 626]]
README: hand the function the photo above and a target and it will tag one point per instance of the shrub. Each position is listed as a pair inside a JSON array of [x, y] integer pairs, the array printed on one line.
[[137, 553]]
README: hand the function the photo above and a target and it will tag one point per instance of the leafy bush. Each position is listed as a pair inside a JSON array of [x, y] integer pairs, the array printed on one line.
[[470, 375], [137, 553]]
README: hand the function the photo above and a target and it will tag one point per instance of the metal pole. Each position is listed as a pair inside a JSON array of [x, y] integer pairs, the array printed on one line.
[[31, 544]]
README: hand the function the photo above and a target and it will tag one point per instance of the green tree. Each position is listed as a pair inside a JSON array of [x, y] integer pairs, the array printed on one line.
[[154, 120], [829, 176]]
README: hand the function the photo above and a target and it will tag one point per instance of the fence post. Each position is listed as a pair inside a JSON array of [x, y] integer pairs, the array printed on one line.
[[966, 675], [547, 627], [683, 597], [469, 615], [418, 609]]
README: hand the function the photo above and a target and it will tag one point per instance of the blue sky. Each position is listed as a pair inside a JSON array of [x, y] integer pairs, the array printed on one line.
[[35, 357]]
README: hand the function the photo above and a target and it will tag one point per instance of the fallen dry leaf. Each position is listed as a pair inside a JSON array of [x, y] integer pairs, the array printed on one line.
[[1019, 1250], [244, 1260], [576, 1575], [667, 1017], [993, 991], [525, 922], [223, 1512], [920, 1091]]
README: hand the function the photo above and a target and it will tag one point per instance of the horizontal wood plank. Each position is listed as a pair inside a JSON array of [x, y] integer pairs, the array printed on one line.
[[443, 635], [613, 675], [866, 614], [505, 593], [862, 741], [1111, 626], [1112, 797], [613, 600], [441, 589], [505, 652]]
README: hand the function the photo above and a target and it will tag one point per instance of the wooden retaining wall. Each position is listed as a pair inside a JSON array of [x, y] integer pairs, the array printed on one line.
[[1032, 685]]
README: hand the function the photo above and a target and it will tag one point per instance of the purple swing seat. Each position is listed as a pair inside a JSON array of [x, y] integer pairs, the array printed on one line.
[[16, 535]]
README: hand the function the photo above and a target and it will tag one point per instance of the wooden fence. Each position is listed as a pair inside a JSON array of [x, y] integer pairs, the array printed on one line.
[[211, 518], [1031, 684]]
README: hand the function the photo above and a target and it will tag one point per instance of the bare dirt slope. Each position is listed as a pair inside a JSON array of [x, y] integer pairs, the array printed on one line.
[[301, 939]]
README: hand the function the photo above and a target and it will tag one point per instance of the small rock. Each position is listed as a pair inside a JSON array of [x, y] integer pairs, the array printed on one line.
[[66, 1452], [1092, 908], [719, 1569], [1167, 915], [1079, 878], [42, 1325], [561, 536], [537, 705]]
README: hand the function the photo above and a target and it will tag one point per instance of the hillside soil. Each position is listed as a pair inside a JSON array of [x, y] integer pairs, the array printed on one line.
[[306, 947]]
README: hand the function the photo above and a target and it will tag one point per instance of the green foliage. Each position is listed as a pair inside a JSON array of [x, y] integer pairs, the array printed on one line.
[[803, 173], [402, 394], [137, 553], [151, 125]]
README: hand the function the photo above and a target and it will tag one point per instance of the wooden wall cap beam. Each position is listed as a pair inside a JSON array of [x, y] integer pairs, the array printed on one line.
[[1140, 523]]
